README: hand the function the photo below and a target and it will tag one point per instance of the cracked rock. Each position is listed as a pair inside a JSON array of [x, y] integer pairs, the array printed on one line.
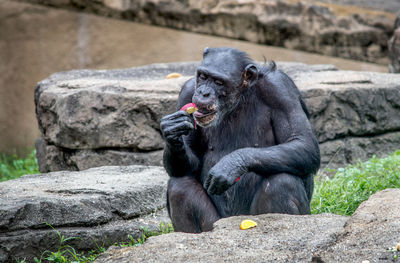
[[374, 227], [91, 118], [99, 205]]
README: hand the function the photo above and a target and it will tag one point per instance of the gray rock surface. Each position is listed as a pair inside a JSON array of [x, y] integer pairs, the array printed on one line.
[[337, 153], [95, 118], [366, 235], [346, 28], [92, 118], [371, 232], [100, 206]]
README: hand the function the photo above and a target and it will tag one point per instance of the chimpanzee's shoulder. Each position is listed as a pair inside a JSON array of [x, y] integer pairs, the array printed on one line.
[[277, 89], [271, 76], [271, 72]]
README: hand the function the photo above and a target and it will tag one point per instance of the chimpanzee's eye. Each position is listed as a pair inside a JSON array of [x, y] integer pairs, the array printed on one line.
[[219, 82], [202, 76]]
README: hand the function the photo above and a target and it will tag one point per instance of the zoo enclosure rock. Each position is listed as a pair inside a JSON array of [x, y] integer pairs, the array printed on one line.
[[100, 206], [366, 235], [353, 29], [111, 117], [370, 232]]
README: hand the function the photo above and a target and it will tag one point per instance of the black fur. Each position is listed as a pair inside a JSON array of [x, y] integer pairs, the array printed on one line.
[[256, 128]]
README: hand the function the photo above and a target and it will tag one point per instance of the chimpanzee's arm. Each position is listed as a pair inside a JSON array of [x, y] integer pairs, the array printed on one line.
[[296, 152], [179, 159]]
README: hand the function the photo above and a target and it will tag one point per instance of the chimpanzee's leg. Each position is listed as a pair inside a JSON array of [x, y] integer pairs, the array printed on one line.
[[281, 193], [189, 206]]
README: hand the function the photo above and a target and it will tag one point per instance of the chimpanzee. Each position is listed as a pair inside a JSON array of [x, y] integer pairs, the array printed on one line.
[[249, 149]]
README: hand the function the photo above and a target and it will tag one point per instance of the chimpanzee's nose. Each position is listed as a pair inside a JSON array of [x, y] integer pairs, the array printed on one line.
[[204, 98]]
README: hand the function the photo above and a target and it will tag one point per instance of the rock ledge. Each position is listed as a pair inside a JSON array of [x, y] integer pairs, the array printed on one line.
[[100, 206], [366, 235], [92, 118]]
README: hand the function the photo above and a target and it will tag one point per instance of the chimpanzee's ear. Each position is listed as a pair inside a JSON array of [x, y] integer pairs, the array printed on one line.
[[250, 74]]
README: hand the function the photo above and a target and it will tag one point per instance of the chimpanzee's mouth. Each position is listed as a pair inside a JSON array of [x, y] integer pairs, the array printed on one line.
[[204, 119]]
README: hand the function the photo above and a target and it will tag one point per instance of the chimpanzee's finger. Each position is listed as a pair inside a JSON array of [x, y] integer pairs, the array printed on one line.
[[179, 128], [166, 122], [176, 115]]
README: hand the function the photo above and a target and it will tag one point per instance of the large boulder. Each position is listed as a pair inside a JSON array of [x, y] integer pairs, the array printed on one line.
[[108, 117], [93, 118], [98, 206], [353, 29], [367, 235]]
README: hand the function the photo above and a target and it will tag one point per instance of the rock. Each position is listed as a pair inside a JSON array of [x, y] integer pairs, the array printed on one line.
[[53, 158], [394, 47], [118, 118], [348, 103], [354, 114], [346, 28], [337, 153], [107, 109], [277, 238], [370, 233], [100, 206], [373, 228]]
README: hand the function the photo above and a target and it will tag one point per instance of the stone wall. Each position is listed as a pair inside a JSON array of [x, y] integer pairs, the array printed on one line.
[[345, 28], [93, 118]]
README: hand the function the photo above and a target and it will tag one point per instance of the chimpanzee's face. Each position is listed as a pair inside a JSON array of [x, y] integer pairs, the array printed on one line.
[[218, 87]]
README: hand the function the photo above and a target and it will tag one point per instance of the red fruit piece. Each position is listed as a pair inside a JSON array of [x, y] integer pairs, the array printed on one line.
[[189, 108]]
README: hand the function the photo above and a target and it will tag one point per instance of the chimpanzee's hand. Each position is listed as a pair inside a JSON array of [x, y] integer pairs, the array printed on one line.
[[224, 174], [175, 125]]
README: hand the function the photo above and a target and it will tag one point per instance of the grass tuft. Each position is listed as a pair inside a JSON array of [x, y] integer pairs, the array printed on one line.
[[13, 166], [163, 229], [350, 186]]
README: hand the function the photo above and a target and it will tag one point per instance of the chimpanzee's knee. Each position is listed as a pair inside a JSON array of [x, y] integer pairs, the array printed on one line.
[[281, 193], [189, 206], [178, 192]]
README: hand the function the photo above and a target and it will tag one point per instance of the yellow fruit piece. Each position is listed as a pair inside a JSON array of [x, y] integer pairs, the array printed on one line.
[[246, 224], [173, 76], [398, 246], [190, 110]]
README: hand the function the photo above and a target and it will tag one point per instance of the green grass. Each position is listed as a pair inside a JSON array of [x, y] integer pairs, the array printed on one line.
[[350, 186], [14, 166]]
